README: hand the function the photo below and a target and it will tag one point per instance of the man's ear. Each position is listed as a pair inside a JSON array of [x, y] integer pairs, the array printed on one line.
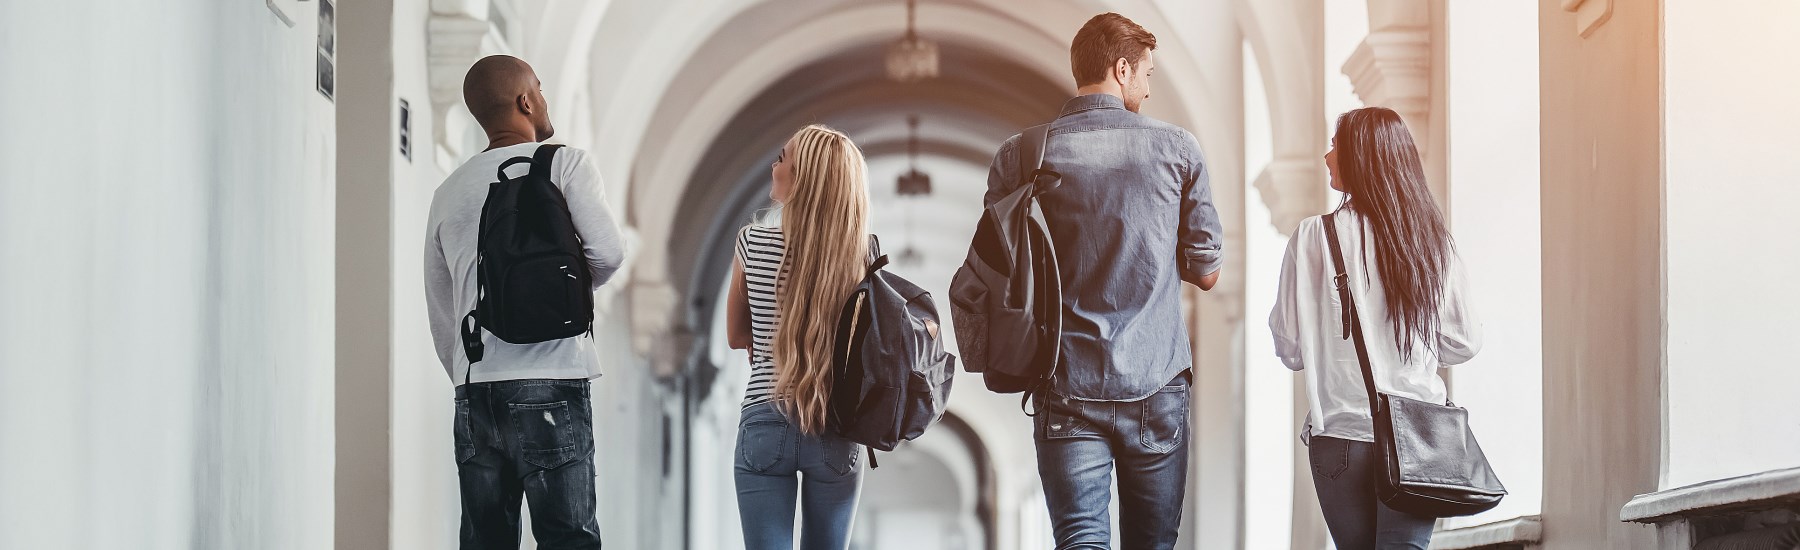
[[523, 102], [1121, 70]]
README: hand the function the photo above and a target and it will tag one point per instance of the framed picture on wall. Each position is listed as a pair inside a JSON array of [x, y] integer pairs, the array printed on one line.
[[327, 51], [286, 10]]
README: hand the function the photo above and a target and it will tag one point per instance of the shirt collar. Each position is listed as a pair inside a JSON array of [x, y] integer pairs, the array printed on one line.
[[1091, 102]]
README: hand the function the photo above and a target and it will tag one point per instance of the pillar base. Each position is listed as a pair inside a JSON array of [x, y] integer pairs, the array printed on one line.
[[1755, 511]]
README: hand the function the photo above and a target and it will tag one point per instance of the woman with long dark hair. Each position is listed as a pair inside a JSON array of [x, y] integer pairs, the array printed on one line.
[[1408, 284]]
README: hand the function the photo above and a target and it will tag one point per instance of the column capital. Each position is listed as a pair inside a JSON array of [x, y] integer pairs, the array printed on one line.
[[658, 332], [1392, 68], [1293, 189], [653, 306], [453, 42]]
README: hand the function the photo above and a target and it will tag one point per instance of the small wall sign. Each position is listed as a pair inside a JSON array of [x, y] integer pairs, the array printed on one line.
[[406, 130]]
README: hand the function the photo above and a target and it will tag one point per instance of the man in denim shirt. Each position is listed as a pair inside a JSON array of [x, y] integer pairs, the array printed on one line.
[[1132, 219]]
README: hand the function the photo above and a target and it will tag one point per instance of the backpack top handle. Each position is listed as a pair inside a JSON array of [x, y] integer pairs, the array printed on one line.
[[500, 173]]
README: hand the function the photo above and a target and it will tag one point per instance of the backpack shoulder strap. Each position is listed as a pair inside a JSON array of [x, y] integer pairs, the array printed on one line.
[[541, 161], [877, 260], [1031, 151]]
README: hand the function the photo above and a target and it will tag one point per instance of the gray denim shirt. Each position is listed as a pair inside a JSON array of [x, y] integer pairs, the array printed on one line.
[[1132, 219]]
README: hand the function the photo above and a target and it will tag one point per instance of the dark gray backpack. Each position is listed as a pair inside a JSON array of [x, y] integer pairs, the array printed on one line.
[[1006, 299], [890, 373]]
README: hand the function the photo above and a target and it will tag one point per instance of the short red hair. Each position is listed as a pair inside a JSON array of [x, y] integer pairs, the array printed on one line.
[[1105, 39]]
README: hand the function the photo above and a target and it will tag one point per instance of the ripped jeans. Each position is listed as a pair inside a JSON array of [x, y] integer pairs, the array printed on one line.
[[531, 439], [1080, 444]]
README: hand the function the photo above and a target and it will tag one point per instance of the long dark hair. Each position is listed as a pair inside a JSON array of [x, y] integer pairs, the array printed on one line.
[[1379, 169]]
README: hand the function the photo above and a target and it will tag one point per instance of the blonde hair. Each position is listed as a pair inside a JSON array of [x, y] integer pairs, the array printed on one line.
[[825, 227]]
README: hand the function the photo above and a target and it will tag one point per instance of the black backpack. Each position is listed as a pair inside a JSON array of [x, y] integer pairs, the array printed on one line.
[[531, 276], [890, 374], [1006, 299]]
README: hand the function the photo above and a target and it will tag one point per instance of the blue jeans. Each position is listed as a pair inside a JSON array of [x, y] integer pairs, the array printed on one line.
[[776, 463], [1080, 443], [531, 439], [1344, 475]]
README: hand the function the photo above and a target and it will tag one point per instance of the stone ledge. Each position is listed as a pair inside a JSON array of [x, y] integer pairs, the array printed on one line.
[[1516, 531], [1713, 497]]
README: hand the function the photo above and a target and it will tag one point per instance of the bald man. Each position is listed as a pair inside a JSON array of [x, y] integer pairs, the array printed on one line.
[[523, 423]]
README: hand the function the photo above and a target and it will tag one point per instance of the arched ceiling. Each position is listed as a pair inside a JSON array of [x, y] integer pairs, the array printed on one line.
[[705, 64], [977, 101]]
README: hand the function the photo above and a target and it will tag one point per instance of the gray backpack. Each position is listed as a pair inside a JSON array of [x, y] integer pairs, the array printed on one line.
[[1006, 299], [890, 373]]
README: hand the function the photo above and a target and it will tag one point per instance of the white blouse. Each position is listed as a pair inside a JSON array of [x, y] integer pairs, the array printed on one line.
[[1307, 323]]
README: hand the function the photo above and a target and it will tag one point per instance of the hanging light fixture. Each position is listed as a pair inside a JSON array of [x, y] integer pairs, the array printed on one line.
[[909, 255], [911, 58], [913, 182]]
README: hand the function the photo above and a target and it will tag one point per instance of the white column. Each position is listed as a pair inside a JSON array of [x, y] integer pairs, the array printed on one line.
[[1730, 201], [1600, 160], [1288, 39]]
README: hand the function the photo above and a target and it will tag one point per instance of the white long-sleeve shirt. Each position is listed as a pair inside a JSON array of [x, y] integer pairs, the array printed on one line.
[[450, 253], [1308, 319]]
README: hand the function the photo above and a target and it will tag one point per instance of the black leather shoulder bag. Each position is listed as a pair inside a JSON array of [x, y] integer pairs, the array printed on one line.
[[1429, 463]]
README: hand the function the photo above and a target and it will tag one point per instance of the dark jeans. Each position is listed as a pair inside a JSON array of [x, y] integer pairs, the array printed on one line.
[[1344, 475], [1080, 443], [530, 438], [777, 464]]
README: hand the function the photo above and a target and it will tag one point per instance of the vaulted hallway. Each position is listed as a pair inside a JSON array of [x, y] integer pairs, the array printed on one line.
[[214, 331]]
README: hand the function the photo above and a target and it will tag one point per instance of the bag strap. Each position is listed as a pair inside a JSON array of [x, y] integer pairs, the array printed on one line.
[[1032, 142], [877, 260], [540, 161], [1031, 150], [1352, 324]]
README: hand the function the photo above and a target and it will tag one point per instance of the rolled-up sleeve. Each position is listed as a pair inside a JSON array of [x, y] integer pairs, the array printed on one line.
[[1284, 318], [1202, 252]]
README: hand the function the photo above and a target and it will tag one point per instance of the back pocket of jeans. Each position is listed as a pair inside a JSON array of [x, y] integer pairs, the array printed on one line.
[[1164, 419], [546, 433], [762, 442], [838, 453], [1329, 456]]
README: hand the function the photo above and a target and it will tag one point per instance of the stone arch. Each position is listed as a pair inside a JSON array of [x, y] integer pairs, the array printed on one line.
[[1285, 39], [698, 103]]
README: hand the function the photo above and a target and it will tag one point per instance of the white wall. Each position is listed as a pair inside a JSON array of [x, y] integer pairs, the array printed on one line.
[[1493, 187], [166, 219], [1729, 199], [426, 506]]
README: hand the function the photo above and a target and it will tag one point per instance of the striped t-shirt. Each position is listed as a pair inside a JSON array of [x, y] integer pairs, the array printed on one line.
[[760, 250]]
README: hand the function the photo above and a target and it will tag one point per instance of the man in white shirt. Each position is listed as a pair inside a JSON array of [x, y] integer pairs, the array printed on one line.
[[524, 424]]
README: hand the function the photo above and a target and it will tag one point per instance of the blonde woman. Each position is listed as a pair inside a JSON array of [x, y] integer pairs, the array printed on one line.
[[788, 285]]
